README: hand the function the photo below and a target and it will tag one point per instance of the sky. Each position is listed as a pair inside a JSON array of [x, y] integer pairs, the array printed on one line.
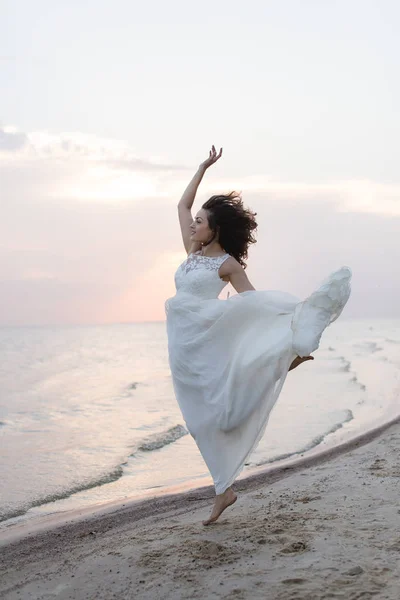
[[107, 109]]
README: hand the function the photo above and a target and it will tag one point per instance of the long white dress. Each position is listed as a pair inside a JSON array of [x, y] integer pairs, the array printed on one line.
[[229, 358]]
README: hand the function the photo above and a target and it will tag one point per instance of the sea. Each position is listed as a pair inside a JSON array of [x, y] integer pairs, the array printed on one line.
[[88, 413]]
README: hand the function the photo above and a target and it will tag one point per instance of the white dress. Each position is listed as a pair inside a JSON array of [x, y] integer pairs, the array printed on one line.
[[229, 358]]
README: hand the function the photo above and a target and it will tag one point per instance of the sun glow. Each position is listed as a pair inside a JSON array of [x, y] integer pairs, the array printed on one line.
[[102, 183]]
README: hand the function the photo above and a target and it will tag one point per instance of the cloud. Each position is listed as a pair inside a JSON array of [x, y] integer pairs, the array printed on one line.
[[89, 232], [11, 141], [79, 167], [42, 145], [137, 164], [353, 195]]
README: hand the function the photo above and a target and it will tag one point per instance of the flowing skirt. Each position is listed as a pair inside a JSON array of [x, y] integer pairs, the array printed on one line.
[[229, 360]]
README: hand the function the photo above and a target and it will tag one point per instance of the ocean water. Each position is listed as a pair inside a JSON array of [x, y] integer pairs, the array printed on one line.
[[88, 414]]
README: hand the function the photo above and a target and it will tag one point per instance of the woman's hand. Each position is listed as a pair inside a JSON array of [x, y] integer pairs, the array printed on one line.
[[212, 158]]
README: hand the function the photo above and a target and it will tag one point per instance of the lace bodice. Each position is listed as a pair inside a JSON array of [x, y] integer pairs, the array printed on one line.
[[198, 276]]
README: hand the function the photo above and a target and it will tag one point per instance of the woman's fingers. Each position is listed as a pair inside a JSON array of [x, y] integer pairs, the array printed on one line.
[[217, 156], [212, 156], [213, 152]]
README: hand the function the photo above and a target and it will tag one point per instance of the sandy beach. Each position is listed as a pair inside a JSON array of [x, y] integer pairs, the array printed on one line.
[[325, 528]]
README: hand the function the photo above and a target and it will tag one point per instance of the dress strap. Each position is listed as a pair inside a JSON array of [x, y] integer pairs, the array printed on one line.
[[222, 258]]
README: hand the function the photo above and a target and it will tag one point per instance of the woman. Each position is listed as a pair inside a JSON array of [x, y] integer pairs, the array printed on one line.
[[229, 358]]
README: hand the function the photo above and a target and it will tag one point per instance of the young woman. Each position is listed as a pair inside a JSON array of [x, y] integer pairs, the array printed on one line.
[[229, 358]]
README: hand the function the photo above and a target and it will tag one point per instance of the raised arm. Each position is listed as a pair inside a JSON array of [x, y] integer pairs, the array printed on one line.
[[186, 202]]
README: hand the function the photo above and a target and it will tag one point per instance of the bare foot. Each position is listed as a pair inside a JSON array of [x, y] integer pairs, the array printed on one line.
[[298, 360], [222, 501]]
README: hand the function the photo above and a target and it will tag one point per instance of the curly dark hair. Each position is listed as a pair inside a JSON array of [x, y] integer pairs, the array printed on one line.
[[233, 223]]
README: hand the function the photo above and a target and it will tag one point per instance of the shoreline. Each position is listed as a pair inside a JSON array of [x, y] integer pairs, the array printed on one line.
[[327, 528], [317, 531], [151, 503]]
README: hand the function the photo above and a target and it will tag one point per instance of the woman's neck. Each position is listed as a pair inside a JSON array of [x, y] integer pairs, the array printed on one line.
[[213, 249]]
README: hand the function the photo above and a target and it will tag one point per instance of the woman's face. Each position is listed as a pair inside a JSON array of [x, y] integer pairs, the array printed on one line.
[[200, 231]]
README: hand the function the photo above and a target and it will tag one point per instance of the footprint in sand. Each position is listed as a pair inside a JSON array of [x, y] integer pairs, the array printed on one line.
[[395, 546], [209, 552], [354, 571], [381, 469], [307, 499], [378, 464], [294, 548]]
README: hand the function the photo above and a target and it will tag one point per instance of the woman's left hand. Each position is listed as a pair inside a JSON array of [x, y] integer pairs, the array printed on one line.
[[212, 158]]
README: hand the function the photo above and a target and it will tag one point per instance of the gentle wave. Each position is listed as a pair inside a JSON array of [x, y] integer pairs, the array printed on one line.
[[346, 367], [315, 442], [357, 382], [104, 479], [159, 440], [346, 364], [392, 341], [371, 347], [154, 442]]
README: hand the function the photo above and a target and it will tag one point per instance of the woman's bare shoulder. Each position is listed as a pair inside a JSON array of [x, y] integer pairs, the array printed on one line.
[[232, 272], [231, 265]]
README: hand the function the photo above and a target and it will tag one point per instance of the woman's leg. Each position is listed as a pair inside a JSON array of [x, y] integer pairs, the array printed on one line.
[[298, 360], [222, 501]]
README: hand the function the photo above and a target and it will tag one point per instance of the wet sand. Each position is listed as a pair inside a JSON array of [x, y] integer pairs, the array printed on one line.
[[327, 527]]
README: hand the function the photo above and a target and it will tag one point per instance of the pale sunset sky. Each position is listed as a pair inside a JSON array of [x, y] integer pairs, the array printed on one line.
[[107, 109]]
